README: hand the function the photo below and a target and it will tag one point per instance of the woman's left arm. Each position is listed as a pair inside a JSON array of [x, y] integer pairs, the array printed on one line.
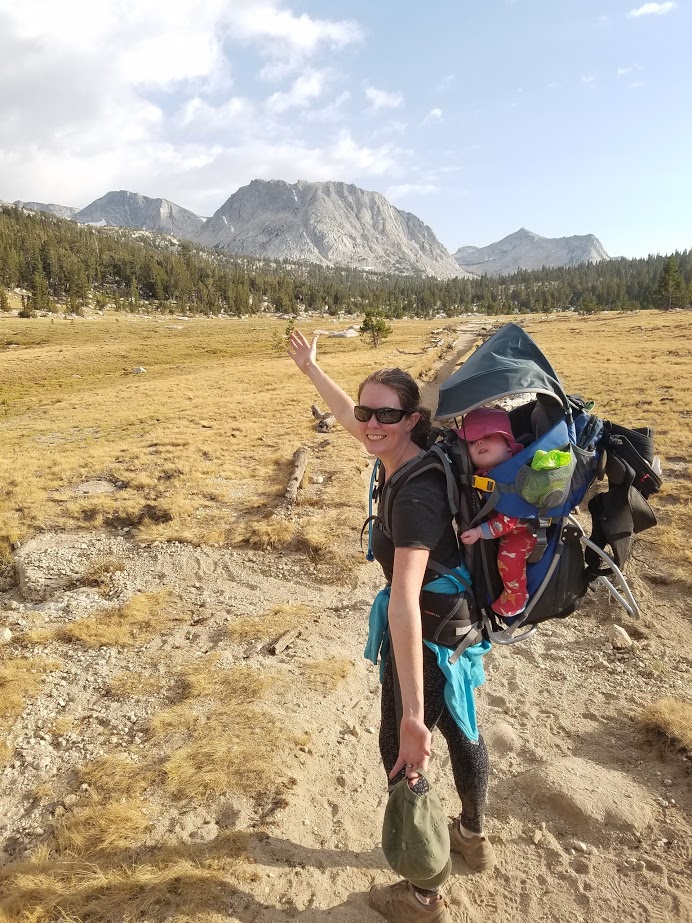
[[407, 641]]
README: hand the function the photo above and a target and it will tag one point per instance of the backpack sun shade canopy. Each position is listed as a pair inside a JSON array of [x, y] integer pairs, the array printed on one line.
[[509, 362]]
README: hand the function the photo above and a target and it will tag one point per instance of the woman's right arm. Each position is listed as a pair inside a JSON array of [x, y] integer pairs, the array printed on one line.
[[304, 354]]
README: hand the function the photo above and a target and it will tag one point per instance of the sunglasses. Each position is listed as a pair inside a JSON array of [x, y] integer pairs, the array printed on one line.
[[382, 414]]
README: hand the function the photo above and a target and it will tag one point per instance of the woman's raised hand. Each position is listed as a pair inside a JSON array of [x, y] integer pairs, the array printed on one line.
[[303, 353]]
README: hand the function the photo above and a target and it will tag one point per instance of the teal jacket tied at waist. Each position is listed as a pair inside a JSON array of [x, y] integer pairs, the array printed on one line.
[[461, 677]]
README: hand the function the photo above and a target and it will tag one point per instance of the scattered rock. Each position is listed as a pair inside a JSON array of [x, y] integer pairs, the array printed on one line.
[[619, 638], [5, 636]]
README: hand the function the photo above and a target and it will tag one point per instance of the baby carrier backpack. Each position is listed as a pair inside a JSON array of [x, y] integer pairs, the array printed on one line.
[[564, 562]]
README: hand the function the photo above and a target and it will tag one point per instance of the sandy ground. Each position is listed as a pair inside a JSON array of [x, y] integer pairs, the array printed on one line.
[[590, 821]]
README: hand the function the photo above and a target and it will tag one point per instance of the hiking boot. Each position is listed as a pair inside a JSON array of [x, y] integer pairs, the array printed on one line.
[[477, 851], [398, 904]]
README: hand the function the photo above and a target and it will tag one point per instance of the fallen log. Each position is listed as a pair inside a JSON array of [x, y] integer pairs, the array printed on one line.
[[325, 420], [300, 460]]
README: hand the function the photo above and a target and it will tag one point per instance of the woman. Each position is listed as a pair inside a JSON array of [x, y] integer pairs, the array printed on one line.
[[392, 425]]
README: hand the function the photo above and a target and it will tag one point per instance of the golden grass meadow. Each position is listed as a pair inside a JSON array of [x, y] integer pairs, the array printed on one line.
[[199, 448]]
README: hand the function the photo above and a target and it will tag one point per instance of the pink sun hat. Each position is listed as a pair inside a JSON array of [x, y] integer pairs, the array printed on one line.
[[485, 421]]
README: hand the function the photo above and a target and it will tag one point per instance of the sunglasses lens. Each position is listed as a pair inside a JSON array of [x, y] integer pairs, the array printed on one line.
[[362, 414], [389, 415], [382, 414]]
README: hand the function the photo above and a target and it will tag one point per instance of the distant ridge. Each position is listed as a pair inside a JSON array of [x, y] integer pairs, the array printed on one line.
[[124, 209], [328, 223], [526, 250], [61, 211]]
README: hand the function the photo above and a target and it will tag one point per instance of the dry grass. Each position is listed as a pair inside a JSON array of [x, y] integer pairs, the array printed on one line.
[[178, 719], [238, 749], [237, 685], [669, 721], [264, 533], [20, 678], [179, 882], [196, 452], [116, 776], [325, 675], [132, 624], [6, 753], [269, 625], [218, 737], [99, 828]]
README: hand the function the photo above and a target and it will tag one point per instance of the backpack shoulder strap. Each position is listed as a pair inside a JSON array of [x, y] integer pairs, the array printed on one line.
[[424, 461]]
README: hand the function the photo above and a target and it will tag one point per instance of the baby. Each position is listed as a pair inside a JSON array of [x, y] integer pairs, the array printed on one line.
[[490, 441]]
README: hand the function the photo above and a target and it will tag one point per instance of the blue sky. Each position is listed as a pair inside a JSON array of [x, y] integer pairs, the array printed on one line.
[[563, 117]]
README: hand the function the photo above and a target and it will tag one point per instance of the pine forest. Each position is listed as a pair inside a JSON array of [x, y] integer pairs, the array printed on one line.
[[61, 266]]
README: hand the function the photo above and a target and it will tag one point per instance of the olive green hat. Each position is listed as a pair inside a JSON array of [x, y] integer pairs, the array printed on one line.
[[415, 836]]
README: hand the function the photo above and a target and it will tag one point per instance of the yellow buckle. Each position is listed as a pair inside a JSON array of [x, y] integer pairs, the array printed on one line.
[[485, 484]]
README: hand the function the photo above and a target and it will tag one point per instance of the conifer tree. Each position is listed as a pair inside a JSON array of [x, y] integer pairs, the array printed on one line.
[[375, 326], [40, 298], [671, 291], [4, 300]]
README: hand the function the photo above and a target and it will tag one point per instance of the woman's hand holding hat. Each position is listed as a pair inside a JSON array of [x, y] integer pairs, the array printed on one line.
[[414, 747]]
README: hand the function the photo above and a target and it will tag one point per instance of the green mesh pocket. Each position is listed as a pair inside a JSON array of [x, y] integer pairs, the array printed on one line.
[[548, 488]]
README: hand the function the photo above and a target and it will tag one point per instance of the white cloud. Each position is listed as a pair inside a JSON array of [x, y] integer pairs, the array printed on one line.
[[382, 99], [623, 71], [588, 80], [405, 189], [652, 9], [96, 96], [304, 90], [233, 115], [254, 19], [332, 112], [433, 116]]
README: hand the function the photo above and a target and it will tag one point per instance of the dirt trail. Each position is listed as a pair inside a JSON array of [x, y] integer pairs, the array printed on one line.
[[590, 822]]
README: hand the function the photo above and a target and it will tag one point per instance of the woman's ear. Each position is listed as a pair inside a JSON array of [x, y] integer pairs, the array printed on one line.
[[413, 419]]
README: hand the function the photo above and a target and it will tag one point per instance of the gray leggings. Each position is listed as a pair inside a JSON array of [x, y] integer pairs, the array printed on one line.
[[469, 760]]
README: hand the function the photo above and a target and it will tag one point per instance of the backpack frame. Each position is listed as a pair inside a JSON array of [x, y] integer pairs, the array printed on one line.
[[565, 563]]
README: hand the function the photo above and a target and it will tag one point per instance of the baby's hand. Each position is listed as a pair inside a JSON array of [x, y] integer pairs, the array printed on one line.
[[471, 536]]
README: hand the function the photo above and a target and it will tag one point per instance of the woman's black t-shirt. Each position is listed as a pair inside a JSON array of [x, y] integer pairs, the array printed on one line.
[[421, 518]]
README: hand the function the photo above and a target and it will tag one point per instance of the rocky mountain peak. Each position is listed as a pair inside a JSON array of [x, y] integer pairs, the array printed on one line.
[[60, 211], [329, 223], [526, 250], [126, 209]]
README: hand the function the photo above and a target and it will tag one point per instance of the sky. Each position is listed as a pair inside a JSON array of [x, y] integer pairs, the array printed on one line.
[[479, 116]]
